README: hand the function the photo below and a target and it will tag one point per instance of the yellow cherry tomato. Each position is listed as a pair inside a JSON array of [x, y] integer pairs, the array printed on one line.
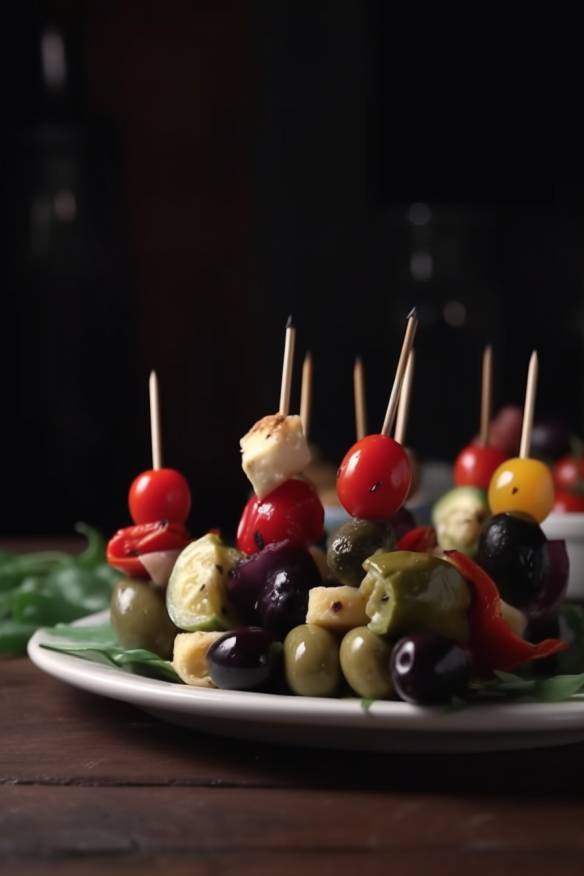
[[523, 485]]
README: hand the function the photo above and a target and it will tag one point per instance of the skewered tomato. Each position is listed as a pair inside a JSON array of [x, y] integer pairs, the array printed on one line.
[[524, 486], [569, 503], [568, 472], [159, 494], [475, 465], [126, 546], [291, 512], [374, 478]]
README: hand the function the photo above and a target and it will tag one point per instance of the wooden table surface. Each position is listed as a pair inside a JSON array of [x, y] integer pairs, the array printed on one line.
[[91, 786]]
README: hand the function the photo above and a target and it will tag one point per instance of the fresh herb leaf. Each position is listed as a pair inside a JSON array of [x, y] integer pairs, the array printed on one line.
[[557, 688], [366, 704], [136, 660], [44, 587]]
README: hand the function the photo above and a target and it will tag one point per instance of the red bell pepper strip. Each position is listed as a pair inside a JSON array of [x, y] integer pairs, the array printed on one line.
[[492, 643], [126, 546], [421, 539]]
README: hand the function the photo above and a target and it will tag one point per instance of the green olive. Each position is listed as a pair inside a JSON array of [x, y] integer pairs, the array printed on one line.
[[352, 544], [365, 663], [139, 617], [311, 661]]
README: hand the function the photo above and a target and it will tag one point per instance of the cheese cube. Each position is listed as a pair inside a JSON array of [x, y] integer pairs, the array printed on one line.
[[274, 450]]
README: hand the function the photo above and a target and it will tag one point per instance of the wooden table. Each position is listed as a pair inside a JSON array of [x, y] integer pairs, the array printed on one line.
[[90, 786]]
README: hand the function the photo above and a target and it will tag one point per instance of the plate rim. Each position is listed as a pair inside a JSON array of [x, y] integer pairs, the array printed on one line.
[[347, 713]]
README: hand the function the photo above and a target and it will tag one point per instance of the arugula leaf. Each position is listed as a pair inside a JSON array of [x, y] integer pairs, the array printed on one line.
[[44, 587], [136, 660]]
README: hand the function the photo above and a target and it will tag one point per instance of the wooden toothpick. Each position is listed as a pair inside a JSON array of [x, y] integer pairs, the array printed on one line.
[[529, 406], [359, 398], [407, 345], [287, 367], [155, 422], [306, 394], [403, 408], [486, 396]]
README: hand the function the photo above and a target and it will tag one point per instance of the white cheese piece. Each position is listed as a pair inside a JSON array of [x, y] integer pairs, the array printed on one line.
[[190, 657], [274, 450], [336, 608]]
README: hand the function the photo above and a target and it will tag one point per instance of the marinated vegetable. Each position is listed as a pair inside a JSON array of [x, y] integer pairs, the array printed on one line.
[[374, 478], [458, 517], [428, 669], [522, 486], [350, 546], [475, 465], [245, 659], [159, 494], [126, 547], [140, 619], [311, 661], [408, 592], [365, 661], [292, 512], [196, 596]]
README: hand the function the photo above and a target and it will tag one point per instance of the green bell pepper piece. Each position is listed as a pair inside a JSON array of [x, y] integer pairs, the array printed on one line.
[[411, 592]]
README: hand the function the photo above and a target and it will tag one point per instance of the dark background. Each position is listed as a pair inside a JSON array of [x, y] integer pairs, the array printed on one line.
[[182, 175]]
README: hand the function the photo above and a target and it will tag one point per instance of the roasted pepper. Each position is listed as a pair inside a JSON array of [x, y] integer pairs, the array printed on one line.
[[492, 643], [410, 592], [421, 539]]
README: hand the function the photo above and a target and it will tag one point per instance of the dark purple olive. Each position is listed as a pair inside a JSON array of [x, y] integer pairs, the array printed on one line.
[[244, 659], [283, 602], [513, 551], [401, 522], [251, 577], [550, 439], [429, 669]]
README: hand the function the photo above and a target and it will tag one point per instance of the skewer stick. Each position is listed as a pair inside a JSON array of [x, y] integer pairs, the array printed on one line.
[[486, 396], [287, 366], [155, 422], [407, 345], [306, 394], [529, 407], [403, 408], [359, 397]]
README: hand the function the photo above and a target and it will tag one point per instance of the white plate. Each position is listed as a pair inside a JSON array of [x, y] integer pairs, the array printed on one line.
[[328, 723]]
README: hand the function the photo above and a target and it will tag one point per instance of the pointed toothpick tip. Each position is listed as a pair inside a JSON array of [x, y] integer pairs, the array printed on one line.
[[413, 314], [289, 322]]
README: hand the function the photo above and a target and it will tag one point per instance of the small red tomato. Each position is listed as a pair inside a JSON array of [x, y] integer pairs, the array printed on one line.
[[568, 503], [374, 478], [126, 546], [476, 464], [291, 512], [161, 494], [568, 471]]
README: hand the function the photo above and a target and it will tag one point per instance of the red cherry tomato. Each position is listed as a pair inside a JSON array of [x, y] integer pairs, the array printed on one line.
[[568, 472], [475, 465], [568, 503], [127, 545], [292, 511], [374, 478], [161, 494]]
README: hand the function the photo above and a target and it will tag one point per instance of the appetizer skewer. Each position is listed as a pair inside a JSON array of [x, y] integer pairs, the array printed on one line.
[[375, 476], [476, 463]]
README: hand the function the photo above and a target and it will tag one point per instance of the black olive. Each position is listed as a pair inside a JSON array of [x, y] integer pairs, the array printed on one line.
[[512, 551]]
